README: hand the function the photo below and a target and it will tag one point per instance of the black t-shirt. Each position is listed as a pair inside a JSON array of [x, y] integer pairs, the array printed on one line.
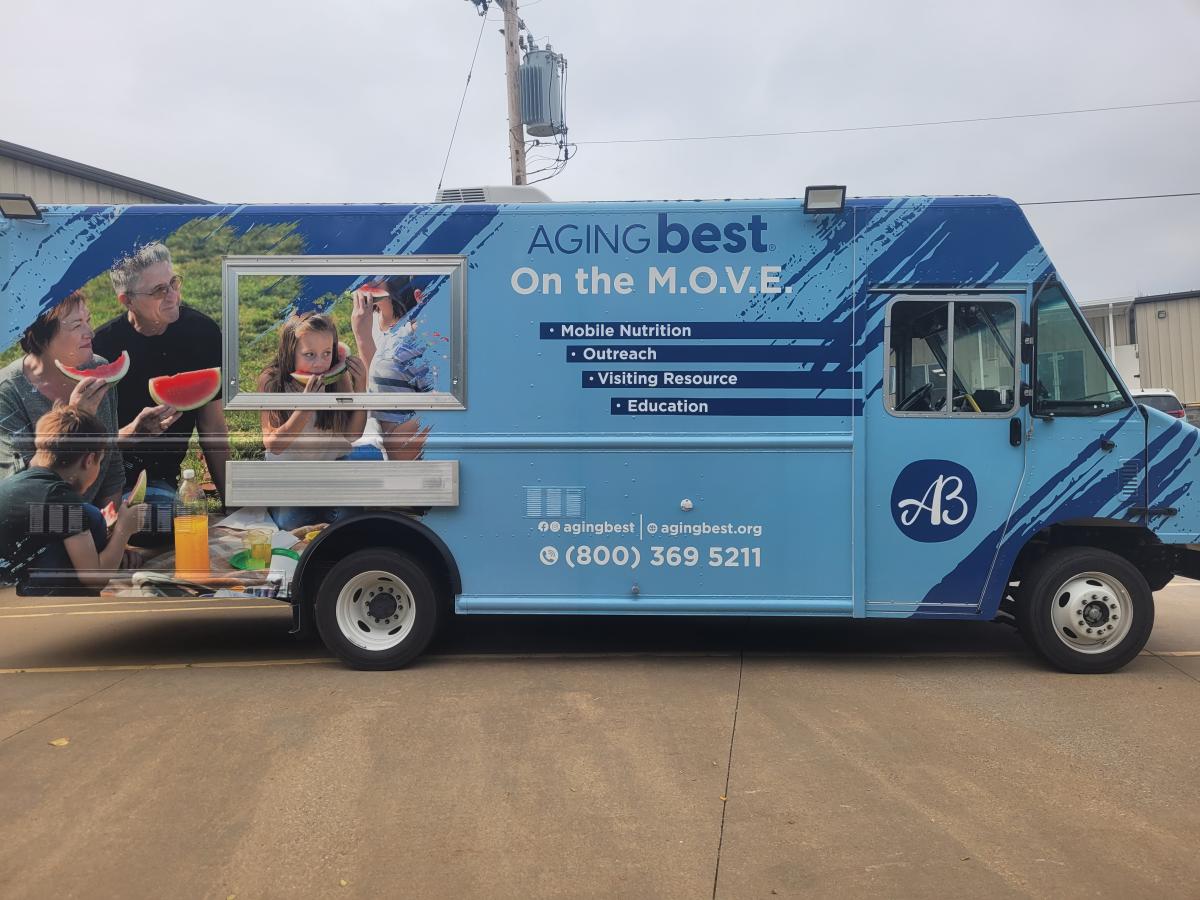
[[191, 342], [37, 509]]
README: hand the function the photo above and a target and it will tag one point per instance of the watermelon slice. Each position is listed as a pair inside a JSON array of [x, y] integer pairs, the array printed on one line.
[[376, 292], [138, 494], [333, 373], [111, 372], [187, 390]]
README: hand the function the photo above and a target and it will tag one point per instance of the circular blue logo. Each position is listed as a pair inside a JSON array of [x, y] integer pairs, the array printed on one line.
[[933, 500]]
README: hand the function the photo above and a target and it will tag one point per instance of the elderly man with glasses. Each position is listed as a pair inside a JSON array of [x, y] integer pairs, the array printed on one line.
[[164, 336]]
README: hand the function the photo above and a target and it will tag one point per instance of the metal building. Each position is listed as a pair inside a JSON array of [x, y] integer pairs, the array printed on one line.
[[1166, 329], [52, 179], [1152, 340]]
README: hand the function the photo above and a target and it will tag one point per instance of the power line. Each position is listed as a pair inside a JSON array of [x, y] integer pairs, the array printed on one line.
[[768, 134], [470, 71], [1109, 199]]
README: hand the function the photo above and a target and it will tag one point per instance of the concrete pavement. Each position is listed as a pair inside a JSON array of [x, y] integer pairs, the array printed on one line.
[[570, 758]]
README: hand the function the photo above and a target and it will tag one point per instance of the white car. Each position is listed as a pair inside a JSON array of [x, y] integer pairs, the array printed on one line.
[[1160, 398]]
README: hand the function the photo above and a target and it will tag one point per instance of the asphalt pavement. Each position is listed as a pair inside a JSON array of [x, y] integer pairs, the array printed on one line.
[[193, 749]]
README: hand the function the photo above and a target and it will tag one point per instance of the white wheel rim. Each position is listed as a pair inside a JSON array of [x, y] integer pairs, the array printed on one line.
[[1091, 613], [375, 610]]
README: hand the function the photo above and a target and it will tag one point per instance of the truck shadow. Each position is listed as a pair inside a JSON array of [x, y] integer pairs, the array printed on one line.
[[263, 636], [699, 635]]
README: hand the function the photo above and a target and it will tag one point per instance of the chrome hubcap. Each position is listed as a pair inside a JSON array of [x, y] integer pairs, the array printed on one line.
[[1092, 612], [375, 610]]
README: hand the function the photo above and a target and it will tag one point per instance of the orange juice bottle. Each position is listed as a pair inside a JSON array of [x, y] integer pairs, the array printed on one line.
[[191, 529]]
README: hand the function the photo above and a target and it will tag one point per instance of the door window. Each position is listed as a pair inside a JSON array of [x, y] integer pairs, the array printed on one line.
[[917, 356], [985, 334], [961, 349]]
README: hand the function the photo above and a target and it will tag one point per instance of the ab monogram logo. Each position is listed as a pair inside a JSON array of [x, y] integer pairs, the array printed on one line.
[[933, 500]]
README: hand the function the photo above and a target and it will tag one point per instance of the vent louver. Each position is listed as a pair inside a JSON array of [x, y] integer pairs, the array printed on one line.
[[461, 195], [1127, 476]]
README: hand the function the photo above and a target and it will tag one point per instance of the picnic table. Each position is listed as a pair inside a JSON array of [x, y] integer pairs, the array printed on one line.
[[155, 575]]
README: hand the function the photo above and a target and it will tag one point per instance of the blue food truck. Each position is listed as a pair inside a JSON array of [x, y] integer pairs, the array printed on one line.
[[869, 408]]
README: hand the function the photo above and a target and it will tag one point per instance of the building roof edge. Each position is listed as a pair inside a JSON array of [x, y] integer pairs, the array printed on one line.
[[91, 173], [1163, 298]]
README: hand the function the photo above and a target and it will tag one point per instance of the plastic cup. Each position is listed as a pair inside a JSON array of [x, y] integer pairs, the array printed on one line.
[[258, 543]]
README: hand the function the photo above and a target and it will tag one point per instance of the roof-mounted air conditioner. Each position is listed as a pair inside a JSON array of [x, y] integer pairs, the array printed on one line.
[[500, 193]]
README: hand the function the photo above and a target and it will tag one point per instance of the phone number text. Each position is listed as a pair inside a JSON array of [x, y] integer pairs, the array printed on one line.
[[620, 555]]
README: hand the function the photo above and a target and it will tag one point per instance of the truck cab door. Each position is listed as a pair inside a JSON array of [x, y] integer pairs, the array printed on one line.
[[1087, 455], [945, 449]]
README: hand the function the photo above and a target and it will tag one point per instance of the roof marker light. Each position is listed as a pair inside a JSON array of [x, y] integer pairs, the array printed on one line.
[[824, 198]]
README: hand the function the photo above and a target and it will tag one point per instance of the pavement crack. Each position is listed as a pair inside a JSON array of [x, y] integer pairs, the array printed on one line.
[[67, 707], [728, 771], [1168, 661]]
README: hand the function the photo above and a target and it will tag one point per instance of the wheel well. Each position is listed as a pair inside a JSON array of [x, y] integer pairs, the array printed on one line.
[[1140, 546], [391, 530]]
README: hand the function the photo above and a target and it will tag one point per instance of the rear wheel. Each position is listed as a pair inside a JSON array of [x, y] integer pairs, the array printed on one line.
[[376, 609], [1084, 610]]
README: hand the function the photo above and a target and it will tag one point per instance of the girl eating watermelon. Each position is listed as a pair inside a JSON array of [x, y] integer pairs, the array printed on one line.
[[310, 360]]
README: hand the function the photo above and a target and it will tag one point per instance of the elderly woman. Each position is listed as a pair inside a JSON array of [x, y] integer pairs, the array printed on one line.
[[32, 384]]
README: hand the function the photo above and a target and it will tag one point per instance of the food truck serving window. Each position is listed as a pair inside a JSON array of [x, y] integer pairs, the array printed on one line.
[[342, 332], [1071, 377], [952, 357]]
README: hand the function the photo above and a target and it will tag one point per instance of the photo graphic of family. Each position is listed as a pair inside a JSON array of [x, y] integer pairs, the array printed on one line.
[[74, 446]]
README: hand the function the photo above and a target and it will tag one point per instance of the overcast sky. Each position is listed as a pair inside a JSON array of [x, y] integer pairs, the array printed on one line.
[[309, 100]]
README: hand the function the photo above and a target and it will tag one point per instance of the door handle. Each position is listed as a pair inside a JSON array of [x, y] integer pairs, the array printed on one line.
[[1107, 445], [1014, 431]]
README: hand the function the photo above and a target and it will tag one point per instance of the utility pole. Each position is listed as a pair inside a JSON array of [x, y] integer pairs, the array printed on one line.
[[516, 128]]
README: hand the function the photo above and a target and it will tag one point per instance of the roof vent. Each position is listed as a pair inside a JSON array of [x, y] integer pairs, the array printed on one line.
[[502, 193], [461, 195]]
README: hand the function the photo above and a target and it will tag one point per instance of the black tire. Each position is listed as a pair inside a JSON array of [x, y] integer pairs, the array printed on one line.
[[385, 622], [1077, 589]]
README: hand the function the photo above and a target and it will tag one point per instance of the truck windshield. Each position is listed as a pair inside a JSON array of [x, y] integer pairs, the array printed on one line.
[[1071, 377]]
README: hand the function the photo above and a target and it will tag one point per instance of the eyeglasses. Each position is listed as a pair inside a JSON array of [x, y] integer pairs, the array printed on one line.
[[160, 291]]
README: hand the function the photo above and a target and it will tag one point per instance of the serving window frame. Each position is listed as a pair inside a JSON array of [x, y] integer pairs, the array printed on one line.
[[452, 267]]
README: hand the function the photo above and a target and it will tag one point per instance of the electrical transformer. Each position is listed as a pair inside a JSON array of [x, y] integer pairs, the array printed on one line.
[[543, 83]]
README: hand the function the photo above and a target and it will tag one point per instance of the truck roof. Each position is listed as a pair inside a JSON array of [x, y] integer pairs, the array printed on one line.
[[780, 203]]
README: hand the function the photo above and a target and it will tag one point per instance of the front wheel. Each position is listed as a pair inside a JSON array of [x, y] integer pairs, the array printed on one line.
[[376, 609], [1085, 611]]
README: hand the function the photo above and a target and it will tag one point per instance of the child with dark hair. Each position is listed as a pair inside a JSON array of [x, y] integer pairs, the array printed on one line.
[[51, 540]]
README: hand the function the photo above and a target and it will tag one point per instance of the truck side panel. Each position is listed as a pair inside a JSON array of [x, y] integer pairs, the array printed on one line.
[[702, 368]]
